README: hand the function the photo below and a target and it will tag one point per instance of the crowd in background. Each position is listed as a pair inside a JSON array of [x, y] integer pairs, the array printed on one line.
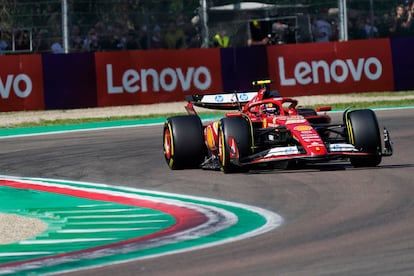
[[396, 23], [105, 26], [183, 31], [177, 34]]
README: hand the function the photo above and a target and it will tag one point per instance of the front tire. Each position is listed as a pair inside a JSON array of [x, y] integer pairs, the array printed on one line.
[[363, 133], [238, 129], [184, 145]]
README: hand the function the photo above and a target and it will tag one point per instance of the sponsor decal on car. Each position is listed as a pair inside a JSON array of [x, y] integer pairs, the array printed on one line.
[[282, 151], [218, 98], [341, 147], [303, 128], [243, 97]]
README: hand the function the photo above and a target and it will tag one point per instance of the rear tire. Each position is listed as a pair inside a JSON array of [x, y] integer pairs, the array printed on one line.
[[184, 145], [363, 133], [240, 130]]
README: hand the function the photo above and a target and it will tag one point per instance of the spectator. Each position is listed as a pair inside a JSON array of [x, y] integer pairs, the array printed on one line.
[[371, 31], [384, 24], [321, 29], [402, 22], [258, 36], [40, 43], [106, 36], [57, 47], [409, 9], [358, 30], [116, 40], [143, 38], [131, 41], [221, 39], [157, 41], [101, 28], [175, 37], [95, 44], [22, 39], [120, 37], [75, 42], [180, 20], [91, 43], [196, 41], [335, 31], [190, 32], [3, 43]]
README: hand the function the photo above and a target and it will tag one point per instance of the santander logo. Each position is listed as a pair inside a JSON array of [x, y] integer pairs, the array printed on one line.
[[149, 79], [325, 72]]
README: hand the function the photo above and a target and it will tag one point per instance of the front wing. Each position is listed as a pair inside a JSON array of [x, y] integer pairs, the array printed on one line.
[[338, 150], [276, 154]]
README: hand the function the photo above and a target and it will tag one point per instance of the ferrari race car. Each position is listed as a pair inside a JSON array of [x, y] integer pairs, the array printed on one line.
[[264, 128]]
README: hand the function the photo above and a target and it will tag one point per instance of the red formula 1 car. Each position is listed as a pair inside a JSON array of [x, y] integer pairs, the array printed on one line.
[[267, 129]]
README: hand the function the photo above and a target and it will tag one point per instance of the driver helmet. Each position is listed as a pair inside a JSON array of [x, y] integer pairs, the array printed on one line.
[[270, 108]]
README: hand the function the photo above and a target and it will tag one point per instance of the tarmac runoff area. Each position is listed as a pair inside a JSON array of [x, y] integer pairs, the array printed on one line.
[[13, 118], [14, 228]]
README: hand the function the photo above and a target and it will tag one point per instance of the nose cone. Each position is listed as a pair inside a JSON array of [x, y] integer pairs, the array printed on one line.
[[317, 150], [310, 139]]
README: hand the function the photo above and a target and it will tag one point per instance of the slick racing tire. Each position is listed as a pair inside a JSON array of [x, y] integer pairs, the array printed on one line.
[[240, 131], [363, 133], [184, 145]]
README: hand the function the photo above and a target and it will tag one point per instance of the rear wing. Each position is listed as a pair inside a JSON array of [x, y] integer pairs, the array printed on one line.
[[225, 101]]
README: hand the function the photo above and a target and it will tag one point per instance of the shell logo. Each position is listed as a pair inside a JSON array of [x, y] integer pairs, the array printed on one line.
[[303, 128]]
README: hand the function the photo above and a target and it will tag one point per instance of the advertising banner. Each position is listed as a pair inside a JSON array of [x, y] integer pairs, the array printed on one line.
[[403, 62], [69, 81], [241, 66], [21, 83], [146, 77], [331, 67]]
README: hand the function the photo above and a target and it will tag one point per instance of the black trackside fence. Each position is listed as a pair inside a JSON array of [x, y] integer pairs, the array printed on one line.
[[65, 26]]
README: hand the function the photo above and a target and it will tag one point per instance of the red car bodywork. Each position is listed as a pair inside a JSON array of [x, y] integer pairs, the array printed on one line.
[[268, 128]]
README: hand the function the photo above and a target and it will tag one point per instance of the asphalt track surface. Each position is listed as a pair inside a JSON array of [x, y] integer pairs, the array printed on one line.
[[338, 220]]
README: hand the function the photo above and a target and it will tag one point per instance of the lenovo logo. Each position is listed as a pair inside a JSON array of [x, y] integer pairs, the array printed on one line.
[[321, 71], [21, 85], [149, 79]]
